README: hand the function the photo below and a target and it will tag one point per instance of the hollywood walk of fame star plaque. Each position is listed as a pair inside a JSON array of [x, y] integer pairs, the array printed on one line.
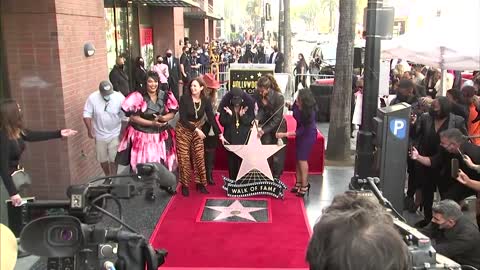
[[254, 176], [235, 210]]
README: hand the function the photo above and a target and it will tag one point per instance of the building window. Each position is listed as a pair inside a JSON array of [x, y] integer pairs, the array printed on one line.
[[121, 29]]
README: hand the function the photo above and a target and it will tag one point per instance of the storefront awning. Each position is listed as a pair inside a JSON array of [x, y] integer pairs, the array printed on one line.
[[169, 3], [197, 13]]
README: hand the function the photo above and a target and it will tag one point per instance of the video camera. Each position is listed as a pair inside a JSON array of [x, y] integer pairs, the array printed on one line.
[[422, 254], [75, 241]]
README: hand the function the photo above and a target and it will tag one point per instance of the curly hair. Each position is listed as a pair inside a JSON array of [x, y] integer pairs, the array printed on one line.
[[308, 104], [269, 82], [155, 77]]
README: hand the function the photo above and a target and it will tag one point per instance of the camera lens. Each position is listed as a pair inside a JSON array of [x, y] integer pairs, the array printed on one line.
[[66, 234]]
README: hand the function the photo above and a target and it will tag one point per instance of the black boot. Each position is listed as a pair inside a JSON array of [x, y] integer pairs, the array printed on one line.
[[202, 189], [209, 163], [185, 191]]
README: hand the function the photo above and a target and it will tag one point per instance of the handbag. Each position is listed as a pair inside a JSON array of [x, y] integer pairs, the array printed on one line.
[[123, 157], [21, 179]]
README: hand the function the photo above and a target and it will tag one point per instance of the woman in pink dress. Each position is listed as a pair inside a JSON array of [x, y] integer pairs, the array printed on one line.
[[149, 137]]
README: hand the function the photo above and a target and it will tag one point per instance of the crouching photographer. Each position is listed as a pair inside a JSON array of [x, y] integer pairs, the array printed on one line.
[[74, 240]]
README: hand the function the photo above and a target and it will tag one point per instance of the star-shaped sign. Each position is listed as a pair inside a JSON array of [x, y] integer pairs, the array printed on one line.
[[259, 74], [236, 209], [254, 155]]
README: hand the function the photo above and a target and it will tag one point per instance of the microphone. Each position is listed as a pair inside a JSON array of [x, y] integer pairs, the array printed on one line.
[[371, 182], [157, 172], [108, 265], [373, 187]]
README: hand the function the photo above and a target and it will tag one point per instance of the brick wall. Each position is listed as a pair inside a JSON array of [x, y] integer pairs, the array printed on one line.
[[165, 36], [198, 29], [51, 78]]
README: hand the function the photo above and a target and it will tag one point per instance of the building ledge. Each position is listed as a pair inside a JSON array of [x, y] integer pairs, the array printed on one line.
[[169, 3]]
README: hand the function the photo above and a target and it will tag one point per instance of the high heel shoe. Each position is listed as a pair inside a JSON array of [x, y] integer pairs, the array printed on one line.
[[202, 189], [303, 190], [185, 191], [297, 186]]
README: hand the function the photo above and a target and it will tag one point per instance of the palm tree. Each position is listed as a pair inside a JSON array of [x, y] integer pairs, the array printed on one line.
[[338, 146]]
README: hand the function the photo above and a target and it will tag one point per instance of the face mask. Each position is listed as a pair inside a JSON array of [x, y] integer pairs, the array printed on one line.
[[142, 63], [159, 61], [433, 113], [120, 66], [169, 55], [402, 97], [106, 98]]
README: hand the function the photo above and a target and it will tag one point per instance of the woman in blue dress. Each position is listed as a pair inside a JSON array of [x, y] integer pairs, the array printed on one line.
[[304, 111]]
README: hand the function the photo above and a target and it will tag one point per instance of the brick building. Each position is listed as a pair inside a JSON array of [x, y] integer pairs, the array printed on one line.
[[43, 66]]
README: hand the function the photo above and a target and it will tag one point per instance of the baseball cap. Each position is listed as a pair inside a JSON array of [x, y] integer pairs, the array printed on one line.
[[106, 88], [236, 96]]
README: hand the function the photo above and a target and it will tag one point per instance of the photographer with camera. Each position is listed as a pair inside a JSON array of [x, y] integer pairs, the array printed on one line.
[[454, 235], [13, 136]]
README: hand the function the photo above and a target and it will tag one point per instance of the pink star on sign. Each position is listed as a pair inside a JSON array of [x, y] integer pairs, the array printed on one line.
[[236, 209], [254, 155]]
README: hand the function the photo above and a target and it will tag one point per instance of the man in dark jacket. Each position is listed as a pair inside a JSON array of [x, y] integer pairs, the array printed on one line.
[[173, 71], [453, 234], [119, 78], [277, 58]]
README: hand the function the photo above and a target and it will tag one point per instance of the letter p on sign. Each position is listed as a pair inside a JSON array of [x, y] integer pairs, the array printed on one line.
[[398, 127]]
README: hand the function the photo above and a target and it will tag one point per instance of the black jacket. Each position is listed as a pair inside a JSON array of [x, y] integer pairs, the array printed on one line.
[[460, 243], [119, 80], [278, 61], [140, 78], [173, 70], [270, 116], [232, 133], [11, 152]]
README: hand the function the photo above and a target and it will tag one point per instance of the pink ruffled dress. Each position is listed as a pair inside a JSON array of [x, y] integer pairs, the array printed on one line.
[[150, 144]]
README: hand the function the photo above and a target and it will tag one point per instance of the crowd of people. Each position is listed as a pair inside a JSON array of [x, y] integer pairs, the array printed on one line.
[[442, 128], [182, 134]]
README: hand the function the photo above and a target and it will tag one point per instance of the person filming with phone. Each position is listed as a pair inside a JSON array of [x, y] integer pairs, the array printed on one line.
[[454, 147]]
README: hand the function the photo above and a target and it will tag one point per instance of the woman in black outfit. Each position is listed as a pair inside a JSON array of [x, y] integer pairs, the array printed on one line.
[[140, 75], [13, 136], [236, 116], [301, 69], [270, 119], [426, 132]]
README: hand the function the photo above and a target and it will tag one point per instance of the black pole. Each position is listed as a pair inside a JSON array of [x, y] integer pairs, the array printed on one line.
[[365, 149]]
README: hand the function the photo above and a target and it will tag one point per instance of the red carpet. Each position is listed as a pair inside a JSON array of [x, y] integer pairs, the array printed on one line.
[[279, 243], [316, 160]]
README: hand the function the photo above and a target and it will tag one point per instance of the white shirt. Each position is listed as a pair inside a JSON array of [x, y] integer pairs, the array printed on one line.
[[106, 116], [274, 57]]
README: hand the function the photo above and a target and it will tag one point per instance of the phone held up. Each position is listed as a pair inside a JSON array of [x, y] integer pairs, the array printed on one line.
[[454, 167]]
